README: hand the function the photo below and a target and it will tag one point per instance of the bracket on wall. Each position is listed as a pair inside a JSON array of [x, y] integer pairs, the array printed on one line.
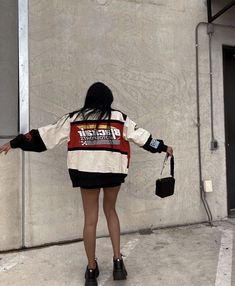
[[211, 17]]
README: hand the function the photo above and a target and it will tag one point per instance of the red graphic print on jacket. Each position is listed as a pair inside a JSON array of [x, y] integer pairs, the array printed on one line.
[[85, 136]]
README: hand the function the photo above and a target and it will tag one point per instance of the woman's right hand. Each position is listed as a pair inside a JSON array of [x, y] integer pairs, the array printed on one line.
[[5, 148]]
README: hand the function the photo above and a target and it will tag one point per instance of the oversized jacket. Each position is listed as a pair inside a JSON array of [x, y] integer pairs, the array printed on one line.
[[97, 156]]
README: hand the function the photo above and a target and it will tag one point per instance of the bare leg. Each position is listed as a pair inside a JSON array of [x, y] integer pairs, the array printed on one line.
[[109, 202], [90, 199]]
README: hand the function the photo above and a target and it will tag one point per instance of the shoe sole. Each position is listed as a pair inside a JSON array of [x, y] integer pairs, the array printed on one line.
[[91, 283], [119, 275]]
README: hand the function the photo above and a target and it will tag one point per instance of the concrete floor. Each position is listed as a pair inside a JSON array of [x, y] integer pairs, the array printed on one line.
[[184, 256]]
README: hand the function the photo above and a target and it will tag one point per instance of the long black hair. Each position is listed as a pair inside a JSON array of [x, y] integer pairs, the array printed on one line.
[[97, 104]]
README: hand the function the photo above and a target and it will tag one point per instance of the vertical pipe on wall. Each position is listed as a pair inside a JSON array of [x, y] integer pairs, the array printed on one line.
[[210, 32], [23, 94], [202, 194], [209, 12]]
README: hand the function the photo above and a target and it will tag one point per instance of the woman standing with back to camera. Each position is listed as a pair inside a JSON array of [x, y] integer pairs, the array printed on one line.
[[98, 139]]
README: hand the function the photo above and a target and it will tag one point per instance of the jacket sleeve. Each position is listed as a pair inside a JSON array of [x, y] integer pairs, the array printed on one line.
[[43, 138], [142, 137]]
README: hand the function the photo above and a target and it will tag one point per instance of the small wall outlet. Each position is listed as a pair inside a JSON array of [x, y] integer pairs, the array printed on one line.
[[208, 186]]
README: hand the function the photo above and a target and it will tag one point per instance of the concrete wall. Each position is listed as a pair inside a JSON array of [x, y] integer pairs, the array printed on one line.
[[10, 201], [10, 171], [145, 51]]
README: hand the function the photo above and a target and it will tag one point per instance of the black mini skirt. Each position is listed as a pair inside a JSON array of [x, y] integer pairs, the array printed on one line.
[[89, 180]]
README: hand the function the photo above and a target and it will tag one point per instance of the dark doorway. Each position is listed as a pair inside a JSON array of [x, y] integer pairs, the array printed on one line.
[[229, 106]]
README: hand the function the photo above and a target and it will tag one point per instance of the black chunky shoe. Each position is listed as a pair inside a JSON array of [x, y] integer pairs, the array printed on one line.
[[91, 275], [119, 270]]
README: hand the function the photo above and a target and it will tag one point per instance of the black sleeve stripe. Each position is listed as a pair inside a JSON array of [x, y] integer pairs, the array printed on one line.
[[31, 141], [161, 147], [16, 141]]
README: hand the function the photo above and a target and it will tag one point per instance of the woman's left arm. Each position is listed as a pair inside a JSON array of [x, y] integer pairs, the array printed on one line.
[[144, 139]]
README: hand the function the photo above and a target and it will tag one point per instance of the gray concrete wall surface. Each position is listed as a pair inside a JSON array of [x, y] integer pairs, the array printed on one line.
[[10, 171], [145, 52], [10, 201], [136, 49]]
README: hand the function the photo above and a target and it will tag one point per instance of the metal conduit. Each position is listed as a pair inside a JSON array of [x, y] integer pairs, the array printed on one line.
[[23, 100]]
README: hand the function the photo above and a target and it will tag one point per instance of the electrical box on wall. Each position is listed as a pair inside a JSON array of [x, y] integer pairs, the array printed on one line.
[[208, 186]]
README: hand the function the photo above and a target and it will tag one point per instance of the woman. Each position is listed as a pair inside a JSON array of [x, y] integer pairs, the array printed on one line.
[[98, 157]]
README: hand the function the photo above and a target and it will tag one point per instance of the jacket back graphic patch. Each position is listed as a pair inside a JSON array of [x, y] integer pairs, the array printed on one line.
[[85, 136]]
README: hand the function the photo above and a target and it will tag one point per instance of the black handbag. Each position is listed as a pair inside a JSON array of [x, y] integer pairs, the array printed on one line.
[[165, 186]]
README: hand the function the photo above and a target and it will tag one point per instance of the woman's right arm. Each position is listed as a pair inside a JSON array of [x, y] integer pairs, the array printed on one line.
[[41, 139], [5, 148]]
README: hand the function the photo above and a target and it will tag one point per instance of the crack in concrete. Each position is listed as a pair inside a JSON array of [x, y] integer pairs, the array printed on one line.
[[150, 2], [157, 3]]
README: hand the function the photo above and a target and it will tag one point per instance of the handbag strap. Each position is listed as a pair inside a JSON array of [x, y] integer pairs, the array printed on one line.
[[172, 165]]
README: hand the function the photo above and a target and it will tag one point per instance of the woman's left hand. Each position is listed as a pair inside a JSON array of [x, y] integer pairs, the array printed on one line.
[[169, 151]]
